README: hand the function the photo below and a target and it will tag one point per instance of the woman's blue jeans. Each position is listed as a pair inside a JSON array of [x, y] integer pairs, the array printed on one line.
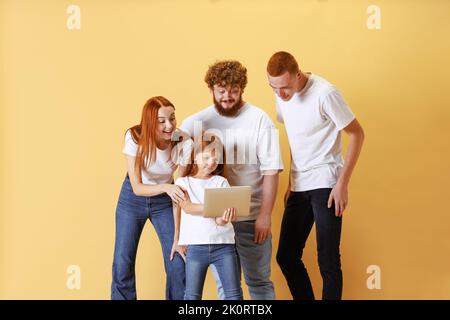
[[131, 214], [224, 258]]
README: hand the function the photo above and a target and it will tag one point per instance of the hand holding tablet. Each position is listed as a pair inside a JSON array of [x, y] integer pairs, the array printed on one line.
[[217, 200]]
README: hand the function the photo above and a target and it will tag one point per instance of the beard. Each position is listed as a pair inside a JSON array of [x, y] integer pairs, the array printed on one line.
[[230, 112]]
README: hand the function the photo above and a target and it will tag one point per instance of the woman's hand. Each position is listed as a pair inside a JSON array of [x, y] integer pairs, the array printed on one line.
[[180, 249], [186, 201], [175, 192], [228, 216]]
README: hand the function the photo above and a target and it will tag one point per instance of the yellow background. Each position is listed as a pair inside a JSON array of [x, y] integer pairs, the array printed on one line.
[[67, 97]]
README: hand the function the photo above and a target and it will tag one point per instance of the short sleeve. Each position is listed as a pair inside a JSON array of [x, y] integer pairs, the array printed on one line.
[[279, 114], [223, 183], [130, 147], [336, 109], [268, 146]]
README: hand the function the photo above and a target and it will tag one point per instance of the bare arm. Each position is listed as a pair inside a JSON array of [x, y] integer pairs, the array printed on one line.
[[339, 194], [139, 188], [356, 138], [191, 208], [147, 190], [176, 236], [269, 193], [176, 220], [288, 191]]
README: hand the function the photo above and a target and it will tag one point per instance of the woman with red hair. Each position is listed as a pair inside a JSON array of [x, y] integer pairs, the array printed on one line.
[[148, 192]]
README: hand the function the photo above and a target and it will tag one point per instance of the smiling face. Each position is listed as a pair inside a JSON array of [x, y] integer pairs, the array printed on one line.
[[227, 100], [206, 161], [166, 124], [285, 85]]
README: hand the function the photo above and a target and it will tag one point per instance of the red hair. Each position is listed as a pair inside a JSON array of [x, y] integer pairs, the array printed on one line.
[[144, 134], [280, 62]]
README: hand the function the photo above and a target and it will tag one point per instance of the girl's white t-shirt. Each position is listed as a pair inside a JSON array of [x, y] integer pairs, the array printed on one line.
[[196, 229], [162, 169], [251, 146]]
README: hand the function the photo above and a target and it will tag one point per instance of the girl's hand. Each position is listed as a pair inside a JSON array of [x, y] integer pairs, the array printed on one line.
[[228, 216], [175, 192], [180, 249], [187, 199]]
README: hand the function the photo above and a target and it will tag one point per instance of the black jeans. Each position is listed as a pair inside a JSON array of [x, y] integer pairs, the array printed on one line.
[[302, 210]]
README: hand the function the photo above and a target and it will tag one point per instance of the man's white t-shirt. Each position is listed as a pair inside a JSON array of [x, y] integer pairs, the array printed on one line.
[[196, 229], [251, 146], [314, 118], [162, 169]]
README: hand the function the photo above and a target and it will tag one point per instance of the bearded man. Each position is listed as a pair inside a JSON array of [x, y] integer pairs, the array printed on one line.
[[253, 159]]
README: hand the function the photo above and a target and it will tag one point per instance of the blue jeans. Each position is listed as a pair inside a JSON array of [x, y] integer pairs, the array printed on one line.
[[131, 214], [224, 258], [255, 261]]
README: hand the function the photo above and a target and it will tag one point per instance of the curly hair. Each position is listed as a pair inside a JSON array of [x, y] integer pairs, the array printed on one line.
[[225, 73]]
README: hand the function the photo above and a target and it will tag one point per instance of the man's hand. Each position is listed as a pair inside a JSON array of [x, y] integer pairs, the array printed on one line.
[[262, 228], [339, 194], [286, 196]]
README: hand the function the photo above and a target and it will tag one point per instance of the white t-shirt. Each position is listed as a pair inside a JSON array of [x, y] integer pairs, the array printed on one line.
[[313, 119], [161, 171], [196, 229], [251, 146]]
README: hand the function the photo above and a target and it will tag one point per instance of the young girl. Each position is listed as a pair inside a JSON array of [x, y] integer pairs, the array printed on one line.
[[208, 240]]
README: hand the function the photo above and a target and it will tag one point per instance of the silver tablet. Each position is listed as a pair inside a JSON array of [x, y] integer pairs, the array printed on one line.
[[217, 200]]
